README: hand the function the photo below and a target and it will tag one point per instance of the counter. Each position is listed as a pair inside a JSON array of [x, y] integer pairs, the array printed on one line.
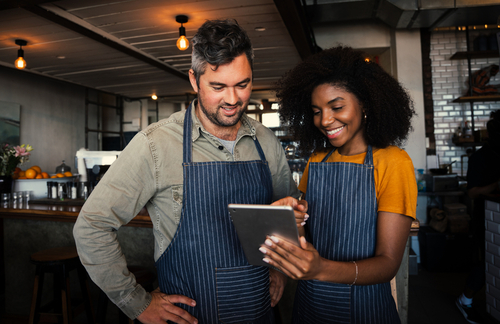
[[28, 228]]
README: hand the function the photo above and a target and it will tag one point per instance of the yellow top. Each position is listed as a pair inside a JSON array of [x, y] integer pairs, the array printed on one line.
[[395, 183]]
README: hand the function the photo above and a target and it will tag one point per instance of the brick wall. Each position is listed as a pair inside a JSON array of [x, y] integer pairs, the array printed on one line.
[[449, 81]]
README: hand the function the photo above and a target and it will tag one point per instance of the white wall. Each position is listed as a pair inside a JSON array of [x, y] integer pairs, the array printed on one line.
[[356, 35], [52, 116], [449, 81]]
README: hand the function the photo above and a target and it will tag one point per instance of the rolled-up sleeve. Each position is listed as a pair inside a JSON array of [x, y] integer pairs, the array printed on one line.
[[125, 188]]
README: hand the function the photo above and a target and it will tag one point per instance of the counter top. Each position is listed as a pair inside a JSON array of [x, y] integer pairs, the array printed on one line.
[[59, 213], [494, 198], [69, 213]]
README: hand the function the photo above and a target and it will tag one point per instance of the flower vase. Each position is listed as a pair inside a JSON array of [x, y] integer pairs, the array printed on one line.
[[5, 184]]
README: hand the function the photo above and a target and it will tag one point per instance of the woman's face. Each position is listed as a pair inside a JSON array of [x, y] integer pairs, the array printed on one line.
[[339, 115]]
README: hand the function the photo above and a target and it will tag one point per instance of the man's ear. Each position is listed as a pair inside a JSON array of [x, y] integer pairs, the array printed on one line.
[[192, 79]]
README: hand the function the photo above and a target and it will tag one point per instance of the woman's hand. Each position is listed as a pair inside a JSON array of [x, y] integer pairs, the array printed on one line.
[[300, 263], [299, 207]]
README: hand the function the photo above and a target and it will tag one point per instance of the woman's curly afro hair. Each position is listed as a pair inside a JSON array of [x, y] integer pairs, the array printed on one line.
[[387, 105]]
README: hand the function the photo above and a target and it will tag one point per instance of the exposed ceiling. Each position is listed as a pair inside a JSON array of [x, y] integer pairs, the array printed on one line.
[[406, 14], [128, 47]]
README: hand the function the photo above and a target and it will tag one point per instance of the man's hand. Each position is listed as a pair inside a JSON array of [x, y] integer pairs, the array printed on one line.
[[276, 286], [162, 309]]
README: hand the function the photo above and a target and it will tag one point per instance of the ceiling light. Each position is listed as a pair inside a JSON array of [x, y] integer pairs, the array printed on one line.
[[260, 29], [182, 42], [154, 97], [20, 63]]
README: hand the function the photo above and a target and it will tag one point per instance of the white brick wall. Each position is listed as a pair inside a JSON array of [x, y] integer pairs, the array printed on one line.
[[450, 80]]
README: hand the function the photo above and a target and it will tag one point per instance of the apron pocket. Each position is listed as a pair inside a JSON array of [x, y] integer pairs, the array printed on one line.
[[324, 302], [242, 293]]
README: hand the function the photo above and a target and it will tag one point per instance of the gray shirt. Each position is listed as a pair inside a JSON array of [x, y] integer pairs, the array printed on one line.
[[149, 173]]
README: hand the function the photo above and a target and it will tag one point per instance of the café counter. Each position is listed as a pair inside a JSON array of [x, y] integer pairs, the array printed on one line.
[[39, 225]]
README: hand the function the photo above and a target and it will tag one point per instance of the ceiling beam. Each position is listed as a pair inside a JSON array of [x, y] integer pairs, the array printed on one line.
[[65, 19], [297, 26], [8, 4]]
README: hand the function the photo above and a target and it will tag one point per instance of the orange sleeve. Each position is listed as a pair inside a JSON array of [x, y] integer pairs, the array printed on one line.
[[396, 184]]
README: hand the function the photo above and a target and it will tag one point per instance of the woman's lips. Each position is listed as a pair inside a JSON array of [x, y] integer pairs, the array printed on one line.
[[334, 132]]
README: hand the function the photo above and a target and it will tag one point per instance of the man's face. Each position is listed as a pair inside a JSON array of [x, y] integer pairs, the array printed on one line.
[[223, 95]]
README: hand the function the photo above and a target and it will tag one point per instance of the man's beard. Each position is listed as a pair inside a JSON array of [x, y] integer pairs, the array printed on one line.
[[214, 118]]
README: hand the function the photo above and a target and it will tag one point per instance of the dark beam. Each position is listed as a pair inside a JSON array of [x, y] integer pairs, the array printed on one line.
[[8, 4], [101, 39], [294, 19]]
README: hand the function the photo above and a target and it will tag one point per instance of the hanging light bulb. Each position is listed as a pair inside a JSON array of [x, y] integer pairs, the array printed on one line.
[[182, 42], [20, 63]]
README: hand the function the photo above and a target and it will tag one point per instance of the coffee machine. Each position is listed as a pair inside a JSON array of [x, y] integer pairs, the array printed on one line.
[[92, 165]]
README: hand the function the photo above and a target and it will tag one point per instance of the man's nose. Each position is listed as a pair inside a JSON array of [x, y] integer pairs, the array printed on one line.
[[231, 97]]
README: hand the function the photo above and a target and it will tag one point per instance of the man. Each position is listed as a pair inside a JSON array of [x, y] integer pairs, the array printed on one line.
[[483, 178], [186, 169]]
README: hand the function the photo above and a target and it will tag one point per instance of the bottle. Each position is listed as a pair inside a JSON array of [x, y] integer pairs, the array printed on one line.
[[73, 191], [467, 130], [421, 181], [53, 190]]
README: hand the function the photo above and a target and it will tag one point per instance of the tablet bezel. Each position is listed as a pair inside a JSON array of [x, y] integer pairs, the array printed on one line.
[[253, 223]]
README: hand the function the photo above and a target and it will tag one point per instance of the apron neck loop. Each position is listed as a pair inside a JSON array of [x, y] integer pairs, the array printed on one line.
[[368, 157]]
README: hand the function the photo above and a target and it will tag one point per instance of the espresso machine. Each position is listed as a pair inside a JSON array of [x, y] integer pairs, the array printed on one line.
[[92, 165]]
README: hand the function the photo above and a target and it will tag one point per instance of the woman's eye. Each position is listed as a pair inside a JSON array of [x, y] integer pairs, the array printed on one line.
[[316, 112]]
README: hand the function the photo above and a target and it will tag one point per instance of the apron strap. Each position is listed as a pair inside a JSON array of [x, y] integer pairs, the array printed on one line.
[[368, 157], [187, 146], [187, 151], [328, 155]]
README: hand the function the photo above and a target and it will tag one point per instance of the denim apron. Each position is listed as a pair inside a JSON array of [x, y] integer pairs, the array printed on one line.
[[205, 260], [343, 227]]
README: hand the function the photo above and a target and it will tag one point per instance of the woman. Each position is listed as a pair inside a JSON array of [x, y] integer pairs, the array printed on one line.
[[360, 188]]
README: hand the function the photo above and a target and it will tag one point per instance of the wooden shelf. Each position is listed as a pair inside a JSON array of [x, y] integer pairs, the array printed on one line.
[[475, 55], [477, 98]]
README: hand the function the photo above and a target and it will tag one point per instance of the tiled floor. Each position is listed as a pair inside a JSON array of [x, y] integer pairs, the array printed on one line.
[[432, 298]]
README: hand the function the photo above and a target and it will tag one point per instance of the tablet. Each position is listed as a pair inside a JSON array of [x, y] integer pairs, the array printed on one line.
[[254, 222]]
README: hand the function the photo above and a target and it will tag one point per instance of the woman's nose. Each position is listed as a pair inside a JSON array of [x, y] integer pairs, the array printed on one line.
[[327, 119]]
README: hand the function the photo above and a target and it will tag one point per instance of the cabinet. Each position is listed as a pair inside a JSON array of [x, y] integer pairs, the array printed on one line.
[[470, 98]]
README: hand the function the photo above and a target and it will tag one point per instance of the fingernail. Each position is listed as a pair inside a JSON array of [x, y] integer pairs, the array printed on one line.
[[268, 242], [303, 223], [306, 217], [193, 303], [275, 239], [261, 249], [266, 260]]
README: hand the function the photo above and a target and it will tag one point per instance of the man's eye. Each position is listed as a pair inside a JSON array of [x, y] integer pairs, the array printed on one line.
[[243, 86], [217, 88]]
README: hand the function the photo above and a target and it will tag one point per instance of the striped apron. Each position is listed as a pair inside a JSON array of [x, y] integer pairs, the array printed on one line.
[[343, 227], [205, 260]]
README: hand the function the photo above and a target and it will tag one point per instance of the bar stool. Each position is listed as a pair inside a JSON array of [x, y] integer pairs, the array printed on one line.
[[144, 277], [58, 261]]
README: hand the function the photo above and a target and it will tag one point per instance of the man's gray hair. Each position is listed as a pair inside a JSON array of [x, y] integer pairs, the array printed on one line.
[[219, 42]]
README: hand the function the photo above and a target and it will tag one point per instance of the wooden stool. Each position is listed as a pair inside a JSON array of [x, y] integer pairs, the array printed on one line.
[[144, 277], [59, 262]]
